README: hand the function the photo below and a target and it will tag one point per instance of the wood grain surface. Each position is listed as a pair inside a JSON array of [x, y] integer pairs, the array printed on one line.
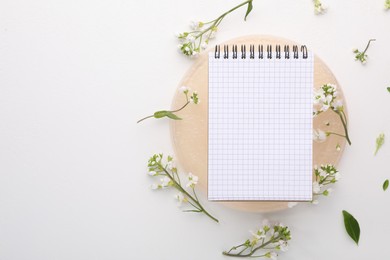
[[189, 136]]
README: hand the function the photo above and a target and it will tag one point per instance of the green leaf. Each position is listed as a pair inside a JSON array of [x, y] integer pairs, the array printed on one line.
[[351, 226], [173, 116], [385, 185], [160, 114], [164, 113], [250, 7], [388, 89]]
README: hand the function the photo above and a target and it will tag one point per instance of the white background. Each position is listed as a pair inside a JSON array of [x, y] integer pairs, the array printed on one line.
[[76, 75]]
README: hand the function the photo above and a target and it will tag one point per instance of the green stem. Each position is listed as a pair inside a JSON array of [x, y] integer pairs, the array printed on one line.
[[368, 45], [253, 250], [218, 20], [332, 133], [144, 118], [345, 127], [180, 188]]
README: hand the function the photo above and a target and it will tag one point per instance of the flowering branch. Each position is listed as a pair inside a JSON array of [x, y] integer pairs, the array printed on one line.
[[324, 99], [362, 56], [269, 238], [170, 114], [171, 179], [324, 175], [192, 42]]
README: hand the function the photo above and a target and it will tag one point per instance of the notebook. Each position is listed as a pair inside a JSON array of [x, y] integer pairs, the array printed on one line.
[[260, 116]]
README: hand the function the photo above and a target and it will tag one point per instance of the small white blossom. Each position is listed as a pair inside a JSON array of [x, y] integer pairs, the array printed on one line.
[[180, 198], [204, 45], [184, 89], [152, 173], [319, 135], [165, 182], [316, 187], [283, 245], [196, 25], [338, 105], [315, 202], [271, 255], [337, 176], [192, 180]]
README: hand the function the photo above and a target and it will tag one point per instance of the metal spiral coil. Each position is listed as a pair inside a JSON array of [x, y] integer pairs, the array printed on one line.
[[279, 52]]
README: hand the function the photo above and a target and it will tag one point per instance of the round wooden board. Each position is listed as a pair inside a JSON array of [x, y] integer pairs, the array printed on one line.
[[189, 136]]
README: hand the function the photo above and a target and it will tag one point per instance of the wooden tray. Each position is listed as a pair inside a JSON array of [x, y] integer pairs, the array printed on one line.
[[189, 136]]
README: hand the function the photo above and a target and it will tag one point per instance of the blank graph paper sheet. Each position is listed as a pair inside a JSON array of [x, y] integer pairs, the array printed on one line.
[[260, 128]]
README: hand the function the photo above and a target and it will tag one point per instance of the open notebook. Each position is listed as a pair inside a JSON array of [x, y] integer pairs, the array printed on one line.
[[260, 123]]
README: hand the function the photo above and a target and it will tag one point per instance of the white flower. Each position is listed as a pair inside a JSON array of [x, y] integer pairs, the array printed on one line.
[[196, 25], [203, 45], [190, 38], [316, 187], [180, 198], [337, 176], [192, 180], [283, 245], [292, 204], [315, 202], [152, 173], [271, 255], [184, 89], [165, 182], [322, 173], [338, 105], [154, 186], [319, 135]]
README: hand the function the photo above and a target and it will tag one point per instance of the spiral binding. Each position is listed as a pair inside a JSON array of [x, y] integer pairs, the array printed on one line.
[[279, 53]]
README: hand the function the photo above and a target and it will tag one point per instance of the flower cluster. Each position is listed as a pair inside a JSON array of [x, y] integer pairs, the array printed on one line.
[[324, 175], [166, 169], [196, 40], [387, 4], [269, 239], [318, 7], [190, 98], [362, 56], [191, 43], [324, 99]]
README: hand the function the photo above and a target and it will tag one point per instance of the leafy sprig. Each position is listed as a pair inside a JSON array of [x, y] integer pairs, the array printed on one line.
[[193, 98], [362, 56], [265, 242], [387, 4], [324, 99], [158, 166], [192, 42], [324, 176], [380, 140]]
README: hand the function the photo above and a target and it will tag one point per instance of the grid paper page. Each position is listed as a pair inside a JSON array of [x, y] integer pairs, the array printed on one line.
[[260, 128]]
